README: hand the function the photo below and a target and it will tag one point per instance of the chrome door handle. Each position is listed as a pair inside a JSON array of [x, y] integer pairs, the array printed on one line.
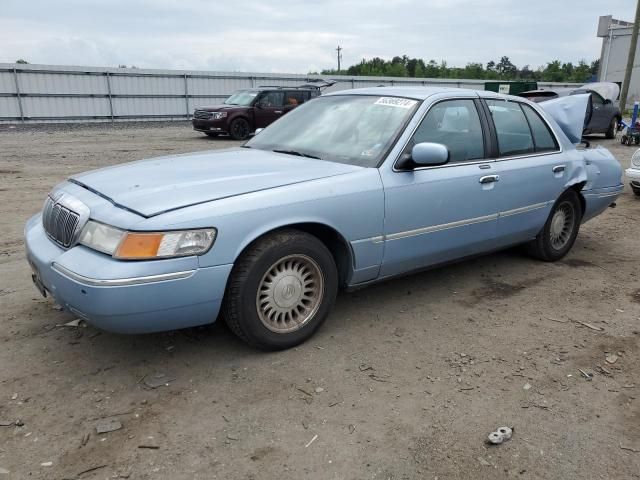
[[278, 111], [559, 168], [489, 178]]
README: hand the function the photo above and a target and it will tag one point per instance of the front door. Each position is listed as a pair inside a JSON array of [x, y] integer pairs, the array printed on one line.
[[437, 214], [269, 107]]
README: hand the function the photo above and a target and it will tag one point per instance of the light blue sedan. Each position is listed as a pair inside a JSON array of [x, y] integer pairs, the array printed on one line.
[[349, 189]]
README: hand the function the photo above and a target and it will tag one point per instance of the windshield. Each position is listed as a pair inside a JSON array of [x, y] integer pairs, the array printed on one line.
[[243, 97], [351, 129]]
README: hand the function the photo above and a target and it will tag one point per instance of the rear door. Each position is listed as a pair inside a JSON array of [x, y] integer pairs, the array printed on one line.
[[532, 169], [269, 107]]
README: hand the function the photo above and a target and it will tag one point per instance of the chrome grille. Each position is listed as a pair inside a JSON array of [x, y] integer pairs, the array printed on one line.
[[202, 115], [59, 222]]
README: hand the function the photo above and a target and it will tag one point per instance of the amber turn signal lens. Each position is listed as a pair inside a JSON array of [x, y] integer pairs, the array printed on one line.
[[139, 245]]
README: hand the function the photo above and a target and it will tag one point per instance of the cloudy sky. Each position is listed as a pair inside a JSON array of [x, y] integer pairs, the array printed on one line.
[[298, 36]]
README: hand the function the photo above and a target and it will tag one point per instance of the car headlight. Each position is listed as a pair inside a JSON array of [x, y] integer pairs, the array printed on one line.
[[218, 115], [146, 245]]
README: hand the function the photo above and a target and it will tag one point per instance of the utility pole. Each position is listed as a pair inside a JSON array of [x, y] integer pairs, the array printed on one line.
[[630, 59], [339, 49]]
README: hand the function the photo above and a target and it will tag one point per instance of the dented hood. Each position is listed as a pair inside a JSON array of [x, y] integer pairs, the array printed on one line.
[[569, 113], [158, 185]]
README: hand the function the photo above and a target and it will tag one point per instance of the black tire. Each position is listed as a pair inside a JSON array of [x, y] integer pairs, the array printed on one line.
[[247, 295], [612, 130], [211, 134], [623, 139], [546, 246], [636, 190], [239, 129]]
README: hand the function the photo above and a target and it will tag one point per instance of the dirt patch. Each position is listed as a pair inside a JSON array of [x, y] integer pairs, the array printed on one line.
[[577, 263]]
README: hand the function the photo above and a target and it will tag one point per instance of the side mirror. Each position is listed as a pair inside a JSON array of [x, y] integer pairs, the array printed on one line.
[[428, 154], [258, 130]]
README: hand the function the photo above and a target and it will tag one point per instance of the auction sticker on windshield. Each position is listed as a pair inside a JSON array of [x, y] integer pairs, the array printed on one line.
[[396, 102]]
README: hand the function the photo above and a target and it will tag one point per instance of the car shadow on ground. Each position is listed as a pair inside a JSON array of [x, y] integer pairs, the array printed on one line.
[[354, 310]]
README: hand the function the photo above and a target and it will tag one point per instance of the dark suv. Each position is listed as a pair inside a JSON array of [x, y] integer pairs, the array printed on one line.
[[247, 110]]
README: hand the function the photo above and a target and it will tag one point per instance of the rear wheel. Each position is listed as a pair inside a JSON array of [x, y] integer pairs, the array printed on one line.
[[611, 131], [560, 231], [239, 129], [281, 290]]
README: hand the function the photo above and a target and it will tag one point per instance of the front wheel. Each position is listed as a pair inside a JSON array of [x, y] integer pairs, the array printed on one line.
[[636, 190], [560, 231], [281, 290], [239, 129]]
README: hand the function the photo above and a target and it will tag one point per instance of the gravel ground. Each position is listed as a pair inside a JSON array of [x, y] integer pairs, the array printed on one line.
[[405, 380]]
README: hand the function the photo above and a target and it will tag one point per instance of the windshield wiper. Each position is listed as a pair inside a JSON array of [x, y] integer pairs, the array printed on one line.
[[298, 154]]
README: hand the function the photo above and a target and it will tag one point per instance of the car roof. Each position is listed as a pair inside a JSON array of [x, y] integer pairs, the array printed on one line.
[[415, 92]]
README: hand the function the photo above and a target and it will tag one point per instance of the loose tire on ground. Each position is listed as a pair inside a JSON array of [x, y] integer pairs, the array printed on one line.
[[281, 290], [239, 129], [560, 231]]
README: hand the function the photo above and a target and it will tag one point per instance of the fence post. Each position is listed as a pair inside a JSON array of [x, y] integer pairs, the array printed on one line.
[[15, 79], [353, 83], [186, 94], [108, 77]]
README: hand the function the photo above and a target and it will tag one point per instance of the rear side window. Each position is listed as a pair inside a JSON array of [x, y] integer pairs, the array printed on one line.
[[542, 137], [512, 128], [294, 98], [271, 99]]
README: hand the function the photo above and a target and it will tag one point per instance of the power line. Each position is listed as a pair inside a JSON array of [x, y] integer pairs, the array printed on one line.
[[339, 49]]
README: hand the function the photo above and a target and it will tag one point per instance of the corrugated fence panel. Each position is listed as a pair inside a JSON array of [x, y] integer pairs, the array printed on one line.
[[9, 107], [76, 93], [7, 83], [149, 107], [64, 107], [31, 82], [218, 86], [146, 85]]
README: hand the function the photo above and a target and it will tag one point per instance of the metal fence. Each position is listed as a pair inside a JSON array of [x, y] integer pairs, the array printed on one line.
[[45, 93]]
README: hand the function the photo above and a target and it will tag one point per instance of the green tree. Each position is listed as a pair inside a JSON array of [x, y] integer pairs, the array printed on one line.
[[506, 69], [21, 61], [553, 72], [581, 73], [431, 70]]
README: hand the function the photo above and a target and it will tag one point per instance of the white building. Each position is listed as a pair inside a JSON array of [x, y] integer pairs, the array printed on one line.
[[616, 39]]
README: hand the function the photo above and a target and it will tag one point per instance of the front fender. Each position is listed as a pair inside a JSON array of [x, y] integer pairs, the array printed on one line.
[[351, 204]]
